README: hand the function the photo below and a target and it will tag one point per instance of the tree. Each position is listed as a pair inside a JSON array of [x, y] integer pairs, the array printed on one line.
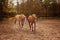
[[31, 6]]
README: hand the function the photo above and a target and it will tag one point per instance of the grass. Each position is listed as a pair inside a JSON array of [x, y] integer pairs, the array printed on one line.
[[45, 18]]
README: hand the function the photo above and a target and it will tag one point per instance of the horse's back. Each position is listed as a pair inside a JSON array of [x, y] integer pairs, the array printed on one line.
[[20, 17], [30, 18], [17, 17], [23, 16], [34, 15]]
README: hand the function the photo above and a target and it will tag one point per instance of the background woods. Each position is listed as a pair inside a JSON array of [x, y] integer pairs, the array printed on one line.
[[43, 8]]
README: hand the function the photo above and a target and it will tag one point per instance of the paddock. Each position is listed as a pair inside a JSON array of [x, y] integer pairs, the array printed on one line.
[[48, 29]]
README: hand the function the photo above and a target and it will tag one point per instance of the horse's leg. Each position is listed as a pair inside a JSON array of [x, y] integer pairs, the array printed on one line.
[[34, 26], [19, 22], [15, 21], [30, 25], [22, 23]]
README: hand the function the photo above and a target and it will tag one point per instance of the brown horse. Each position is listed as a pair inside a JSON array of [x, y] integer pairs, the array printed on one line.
[[32, 22], [21, 19]]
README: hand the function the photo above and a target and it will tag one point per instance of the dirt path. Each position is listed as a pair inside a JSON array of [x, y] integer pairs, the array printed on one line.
[[45, 30]]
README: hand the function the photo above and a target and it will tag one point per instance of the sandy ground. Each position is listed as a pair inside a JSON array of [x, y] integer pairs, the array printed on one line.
[[45, 30]]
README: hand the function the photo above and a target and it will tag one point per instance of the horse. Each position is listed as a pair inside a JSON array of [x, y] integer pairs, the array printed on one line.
[[32, 22], [21, 19]]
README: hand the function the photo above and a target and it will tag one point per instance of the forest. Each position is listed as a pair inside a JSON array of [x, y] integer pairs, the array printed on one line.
[[42, 8]]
